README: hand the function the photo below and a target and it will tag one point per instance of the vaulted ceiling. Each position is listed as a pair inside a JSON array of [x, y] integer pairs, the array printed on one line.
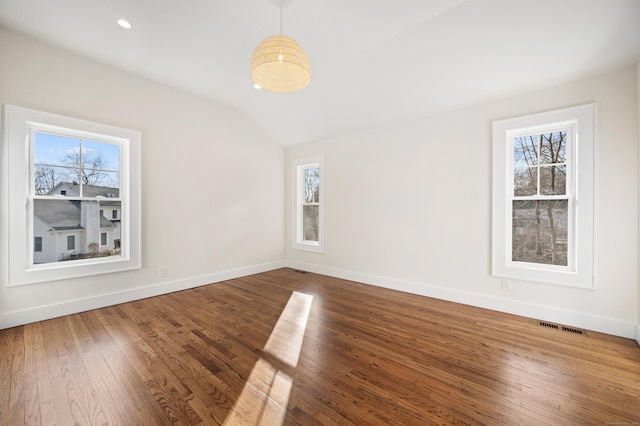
[[374, 61]]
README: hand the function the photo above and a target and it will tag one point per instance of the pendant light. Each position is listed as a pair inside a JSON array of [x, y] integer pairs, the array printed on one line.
[[279, 63]]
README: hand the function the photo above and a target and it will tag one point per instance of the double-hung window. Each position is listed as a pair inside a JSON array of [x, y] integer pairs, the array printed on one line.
[[543, 197], [66, 172], [309, 205]]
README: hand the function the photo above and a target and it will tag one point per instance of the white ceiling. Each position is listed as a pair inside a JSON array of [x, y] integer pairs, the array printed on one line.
[[374, 61]]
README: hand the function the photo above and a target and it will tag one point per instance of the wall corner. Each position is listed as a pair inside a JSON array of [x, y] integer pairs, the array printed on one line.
[[638, 209]]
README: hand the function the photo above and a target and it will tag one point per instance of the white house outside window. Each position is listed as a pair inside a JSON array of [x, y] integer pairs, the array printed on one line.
[[543, 197], [76, 171], [309, 206]]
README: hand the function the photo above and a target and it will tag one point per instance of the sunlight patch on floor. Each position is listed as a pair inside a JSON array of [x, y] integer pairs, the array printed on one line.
[[265, 396], [286, 338]]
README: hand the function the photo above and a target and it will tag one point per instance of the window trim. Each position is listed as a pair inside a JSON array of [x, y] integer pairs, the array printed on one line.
[[579, 272], [15, 227], [299, 165]]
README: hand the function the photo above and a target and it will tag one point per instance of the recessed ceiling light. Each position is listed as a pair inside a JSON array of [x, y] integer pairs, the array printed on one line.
[[124, 23]]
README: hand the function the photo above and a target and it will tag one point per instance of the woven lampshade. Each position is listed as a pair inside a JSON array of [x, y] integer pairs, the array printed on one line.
[[279, 64]]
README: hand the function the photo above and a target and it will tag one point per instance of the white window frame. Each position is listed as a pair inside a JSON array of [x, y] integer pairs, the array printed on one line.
[[16, 227], [299, 166], [580, 123]]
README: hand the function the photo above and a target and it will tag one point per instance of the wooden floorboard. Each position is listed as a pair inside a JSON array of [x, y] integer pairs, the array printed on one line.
[[287, 347]]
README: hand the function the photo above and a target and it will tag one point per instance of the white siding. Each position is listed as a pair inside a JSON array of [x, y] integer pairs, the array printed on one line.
[[49, 251]]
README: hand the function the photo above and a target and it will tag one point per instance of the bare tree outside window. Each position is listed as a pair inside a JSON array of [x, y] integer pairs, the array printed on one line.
[[45, 179], [540, 210], [311, 204], [91, 166]]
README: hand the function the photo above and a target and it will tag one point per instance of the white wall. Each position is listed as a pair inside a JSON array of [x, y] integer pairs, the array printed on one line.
[[408, 206], [212, 185]]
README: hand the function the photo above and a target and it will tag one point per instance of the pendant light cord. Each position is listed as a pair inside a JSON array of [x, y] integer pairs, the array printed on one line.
[[281, 17]]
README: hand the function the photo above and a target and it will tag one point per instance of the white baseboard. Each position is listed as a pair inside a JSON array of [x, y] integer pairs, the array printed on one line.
[[40, 313], [611, 326], [626, 329]]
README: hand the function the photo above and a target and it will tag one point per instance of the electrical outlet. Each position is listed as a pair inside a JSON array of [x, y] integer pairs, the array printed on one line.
[[506, 284], [162, 271]]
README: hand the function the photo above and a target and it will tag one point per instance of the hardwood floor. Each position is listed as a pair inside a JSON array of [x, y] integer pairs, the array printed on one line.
[[287, 347]]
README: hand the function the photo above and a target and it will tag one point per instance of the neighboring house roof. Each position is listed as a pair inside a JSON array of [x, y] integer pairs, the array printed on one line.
[[106, 223], [110, 203], [73, 190], [63, 215]]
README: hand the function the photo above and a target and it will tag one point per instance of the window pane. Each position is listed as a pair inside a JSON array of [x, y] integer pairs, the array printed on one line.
[[539, 231], [553, 180], [525, 180], [99, 155], [310, 217], [312, 185], [55, 150], [553, 147], [74, 229], [48, 180], [111, 180], [525, 151], [109, 187], [63, 159], [100, 164]]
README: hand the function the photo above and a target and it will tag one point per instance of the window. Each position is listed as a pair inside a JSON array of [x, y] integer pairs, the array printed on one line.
[[543, 197], [37, 244], [309, 206], [114, 214], [89, 170], [76, 170]]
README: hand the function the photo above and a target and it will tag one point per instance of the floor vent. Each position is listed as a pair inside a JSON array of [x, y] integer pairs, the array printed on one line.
[[571, 330], [546, 324], [561, 328], [299, 271]]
